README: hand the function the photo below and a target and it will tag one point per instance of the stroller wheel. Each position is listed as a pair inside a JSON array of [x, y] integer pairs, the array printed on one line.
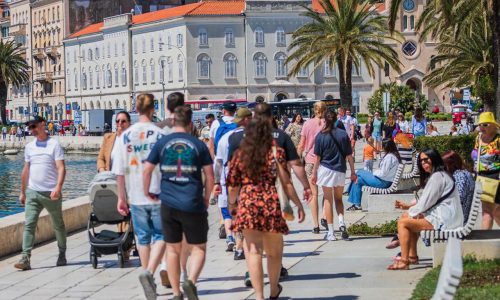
[[121, 260], [93, 259]]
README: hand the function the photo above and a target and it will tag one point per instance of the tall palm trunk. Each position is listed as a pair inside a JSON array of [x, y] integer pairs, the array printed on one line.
[[345, 83], [3, 102], [495, 25]]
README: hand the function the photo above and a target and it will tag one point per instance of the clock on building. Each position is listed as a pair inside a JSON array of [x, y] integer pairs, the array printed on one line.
[[408, 5]]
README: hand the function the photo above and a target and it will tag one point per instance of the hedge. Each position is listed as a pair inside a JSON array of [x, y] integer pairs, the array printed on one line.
[[462, 144], [439, 117]]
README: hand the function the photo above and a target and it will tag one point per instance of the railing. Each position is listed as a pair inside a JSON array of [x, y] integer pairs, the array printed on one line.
[[18, 29], [44, 76], [39, 53], [52, 52]]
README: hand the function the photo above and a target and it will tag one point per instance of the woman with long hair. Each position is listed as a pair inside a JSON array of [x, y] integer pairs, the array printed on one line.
[[437, 208], [108, 151], [389, 126], [380, 178], [309, 132], [403, 124], [295, 128], [332, 148], [253, 172]]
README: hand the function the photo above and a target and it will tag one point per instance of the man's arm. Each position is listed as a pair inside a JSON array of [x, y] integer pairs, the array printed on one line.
[[217, 175], [211, 147], [121, 206], [24, 182], [350, 159], [300, 172], [209, 182], [61, 174], [146, 179], [300, 147]]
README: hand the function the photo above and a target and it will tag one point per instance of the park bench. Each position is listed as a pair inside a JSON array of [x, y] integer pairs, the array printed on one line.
[[393, 188], [414, 168], [451, 271], [460, 232]]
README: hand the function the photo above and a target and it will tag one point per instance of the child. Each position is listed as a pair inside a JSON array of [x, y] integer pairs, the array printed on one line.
[[369, 152]]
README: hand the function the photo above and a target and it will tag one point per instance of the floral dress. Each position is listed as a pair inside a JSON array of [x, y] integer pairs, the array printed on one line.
[[258, 205], [294, 130]]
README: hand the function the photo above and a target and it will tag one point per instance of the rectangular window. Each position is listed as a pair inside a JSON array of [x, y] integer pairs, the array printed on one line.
[[123, 49], [386, 69], [152, 74], [144, 75], [203, 38], [181, 71], [162, 72], [229, 37], [135, 46], [328, 71], [160, 44], [304, 72], [179, 40], [170, 69], [116, 77]]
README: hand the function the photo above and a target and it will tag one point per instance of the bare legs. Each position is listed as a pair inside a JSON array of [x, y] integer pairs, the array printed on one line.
[[328, 204], [255, 242], [176, 253], [151, 255], [491, 211], [313, 204], [408, 230]]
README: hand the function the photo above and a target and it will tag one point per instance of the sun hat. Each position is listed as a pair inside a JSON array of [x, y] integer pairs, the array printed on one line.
[[241, 114], [487, 117]]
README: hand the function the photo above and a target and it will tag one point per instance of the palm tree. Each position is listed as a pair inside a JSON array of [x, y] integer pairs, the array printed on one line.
[[442, 16], [13, 70], [466, 60], [348, 33]]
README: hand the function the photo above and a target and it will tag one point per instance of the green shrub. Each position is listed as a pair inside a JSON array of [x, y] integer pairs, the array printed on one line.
[[408, 115], [462, 144], [439, 117], [390, 227], [402, 98]]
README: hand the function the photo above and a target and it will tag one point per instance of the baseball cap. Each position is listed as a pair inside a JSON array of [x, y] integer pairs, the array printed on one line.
[[241, 113], [34, 120], [229, 105]]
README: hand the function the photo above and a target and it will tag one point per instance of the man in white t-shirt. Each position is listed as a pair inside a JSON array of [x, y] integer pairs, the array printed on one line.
[[228, 110], [42, 179], [344, 115], [242, 118]]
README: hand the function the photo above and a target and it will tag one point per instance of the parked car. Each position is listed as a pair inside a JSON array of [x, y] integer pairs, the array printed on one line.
[[458, 112]]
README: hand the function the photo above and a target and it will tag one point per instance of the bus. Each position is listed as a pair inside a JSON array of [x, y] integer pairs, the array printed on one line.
[[304, 106]]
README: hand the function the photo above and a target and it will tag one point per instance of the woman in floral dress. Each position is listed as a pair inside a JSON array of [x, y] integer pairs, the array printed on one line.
[[294, 129], [252, 175]]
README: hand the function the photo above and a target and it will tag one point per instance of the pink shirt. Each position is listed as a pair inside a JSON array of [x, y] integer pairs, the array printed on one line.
[[310, 130]]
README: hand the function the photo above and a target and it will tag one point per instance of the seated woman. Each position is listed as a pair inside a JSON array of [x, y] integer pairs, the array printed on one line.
[[438, 208], [464, 181], [381, 178]]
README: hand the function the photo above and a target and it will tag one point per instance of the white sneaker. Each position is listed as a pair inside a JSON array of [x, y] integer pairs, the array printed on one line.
[[330, 236]]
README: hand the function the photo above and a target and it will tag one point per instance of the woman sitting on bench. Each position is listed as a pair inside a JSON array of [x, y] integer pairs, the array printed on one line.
[[438, 207]]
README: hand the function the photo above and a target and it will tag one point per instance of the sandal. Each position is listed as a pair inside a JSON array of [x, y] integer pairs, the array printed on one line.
[[402, 264], [315, 230], [394, 243], [413, 260], [280, 289]]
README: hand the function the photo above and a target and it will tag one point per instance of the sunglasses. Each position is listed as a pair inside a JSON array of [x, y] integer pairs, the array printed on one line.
[[121, 121], [425, 160], [32, 126], [485, 125]]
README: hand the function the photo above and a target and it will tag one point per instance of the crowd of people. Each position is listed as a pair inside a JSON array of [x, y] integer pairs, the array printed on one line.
[[168, 174]]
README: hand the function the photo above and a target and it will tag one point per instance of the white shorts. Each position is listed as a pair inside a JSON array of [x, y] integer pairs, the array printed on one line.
[[222, 198], [330, 178]]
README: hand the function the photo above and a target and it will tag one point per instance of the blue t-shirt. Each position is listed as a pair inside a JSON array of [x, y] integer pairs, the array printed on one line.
[[181, 157], [418, 127], [326, 148]]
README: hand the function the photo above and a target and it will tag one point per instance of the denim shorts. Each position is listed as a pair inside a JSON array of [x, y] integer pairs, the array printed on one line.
[[146, 220], [225, 213]]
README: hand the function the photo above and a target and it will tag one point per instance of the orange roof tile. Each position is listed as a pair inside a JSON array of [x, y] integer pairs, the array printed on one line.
[[164, 13], [219, 8], [87, 30]]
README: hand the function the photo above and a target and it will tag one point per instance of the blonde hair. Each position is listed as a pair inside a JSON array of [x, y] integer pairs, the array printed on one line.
[[145, 103], [319, 110], [371, 140]]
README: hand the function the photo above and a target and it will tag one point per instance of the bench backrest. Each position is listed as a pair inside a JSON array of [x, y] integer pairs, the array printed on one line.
[[397, 177], [474, 210], [451, 271], [414, 168]]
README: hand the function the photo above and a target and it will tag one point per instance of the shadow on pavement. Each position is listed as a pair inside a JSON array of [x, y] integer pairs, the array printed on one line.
[[343, 297], [302, 254], [228, 278], [321, 276], [233, 290], [319, 239]]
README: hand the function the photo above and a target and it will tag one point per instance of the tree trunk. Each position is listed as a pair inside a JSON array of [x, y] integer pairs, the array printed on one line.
[[3, 102], [495, 28], [345, 83]]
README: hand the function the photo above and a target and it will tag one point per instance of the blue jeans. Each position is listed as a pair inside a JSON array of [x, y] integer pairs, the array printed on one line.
[[364, 178], [146, 220]]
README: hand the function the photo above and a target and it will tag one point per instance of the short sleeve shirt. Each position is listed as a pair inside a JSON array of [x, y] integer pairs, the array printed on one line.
[[216, 125], [310, 130], [181, 158], [282, 139], [42, 157], [328, 149]]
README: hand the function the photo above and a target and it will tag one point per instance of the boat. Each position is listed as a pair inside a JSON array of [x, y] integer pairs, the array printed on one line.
[[11, 152]]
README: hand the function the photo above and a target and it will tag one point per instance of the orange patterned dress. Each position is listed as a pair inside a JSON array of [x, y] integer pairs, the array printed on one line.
[[258, 205]]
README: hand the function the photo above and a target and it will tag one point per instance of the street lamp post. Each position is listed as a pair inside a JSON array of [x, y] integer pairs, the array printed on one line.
[[184, 67]]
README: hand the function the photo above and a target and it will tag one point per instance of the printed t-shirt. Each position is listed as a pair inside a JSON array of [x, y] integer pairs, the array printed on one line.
[[490, 156], [310, 130], [331, 155], [42, 156], [368, 152], [282, 140], [181, 158], [134, 146]]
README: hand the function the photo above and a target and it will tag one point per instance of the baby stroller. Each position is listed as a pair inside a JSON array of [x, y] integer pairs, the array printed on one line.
[[103, 199]]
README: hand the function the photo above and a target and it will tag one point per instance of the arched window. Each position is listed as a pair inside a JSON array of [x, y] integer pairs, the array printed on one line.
[[152, 70], [76, 79], [84, 80], [280, 37], [203, 66], [115, 49], [96, 53], [90, 54], [123, 49], [143, 44], [91, 79], [405, 22], [230, 65], [144, 72], [259, 36], [180, 40], [136, 73], [170, 69], [109, 76], [124, 75], [104, 76], [180, 65], [280, 58], [91, 105], [229, 37], [202, 37], [97, 78], [125, 104], [117, 83], [162, 64], [260, 61], [412, 22], [152, 44], [110, 106], [117, 103], [98, 105]]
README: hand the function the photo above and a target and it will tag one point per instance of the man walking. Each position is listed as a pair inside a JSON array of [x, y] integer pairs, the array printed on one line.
[[42, 179], [4, 132], [182, 158]]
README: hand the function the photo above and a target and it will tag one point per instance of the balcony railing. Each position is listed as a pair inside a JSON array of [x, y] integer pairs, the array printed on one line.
[[18, 29], [39, 53], [52, 52], [43, 77]]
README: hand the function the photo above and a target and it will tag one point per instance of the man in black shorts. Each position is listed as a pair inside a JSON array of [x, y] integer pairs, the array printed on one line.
[[283, 140], [181, 158]]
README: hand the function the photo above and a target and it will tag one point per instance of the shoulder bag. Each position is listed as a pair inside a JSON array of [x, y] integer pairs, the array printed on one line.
[[286, 208], [489, 185]]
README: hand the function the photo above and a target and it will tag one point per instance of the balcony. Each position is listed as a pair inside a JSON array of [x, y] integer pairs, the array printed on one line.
[[52, 52], [43, 77], [39, 53], [17, 30]]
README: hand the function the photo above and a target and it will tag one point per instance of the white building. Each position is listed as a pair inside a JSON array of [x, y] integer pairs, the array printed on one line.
[[209, 50]]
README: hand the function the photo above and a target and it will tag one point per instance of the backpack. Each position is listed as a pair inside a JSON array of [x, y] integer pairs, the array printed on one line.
[[223, 129]]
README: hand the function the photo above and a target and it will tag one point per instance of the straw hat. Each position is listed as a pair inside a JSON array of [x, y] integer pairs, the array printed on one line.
[[487, 117]]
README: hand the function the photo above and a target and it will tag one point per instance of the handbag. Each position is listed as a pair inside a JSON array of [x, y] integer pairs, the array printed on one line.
[[489, 185], [286, 208]]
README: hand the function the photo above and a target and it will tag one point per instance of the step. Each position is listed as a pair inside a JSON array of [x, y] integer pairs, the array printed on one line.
[[480, 248], [384, 203]]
